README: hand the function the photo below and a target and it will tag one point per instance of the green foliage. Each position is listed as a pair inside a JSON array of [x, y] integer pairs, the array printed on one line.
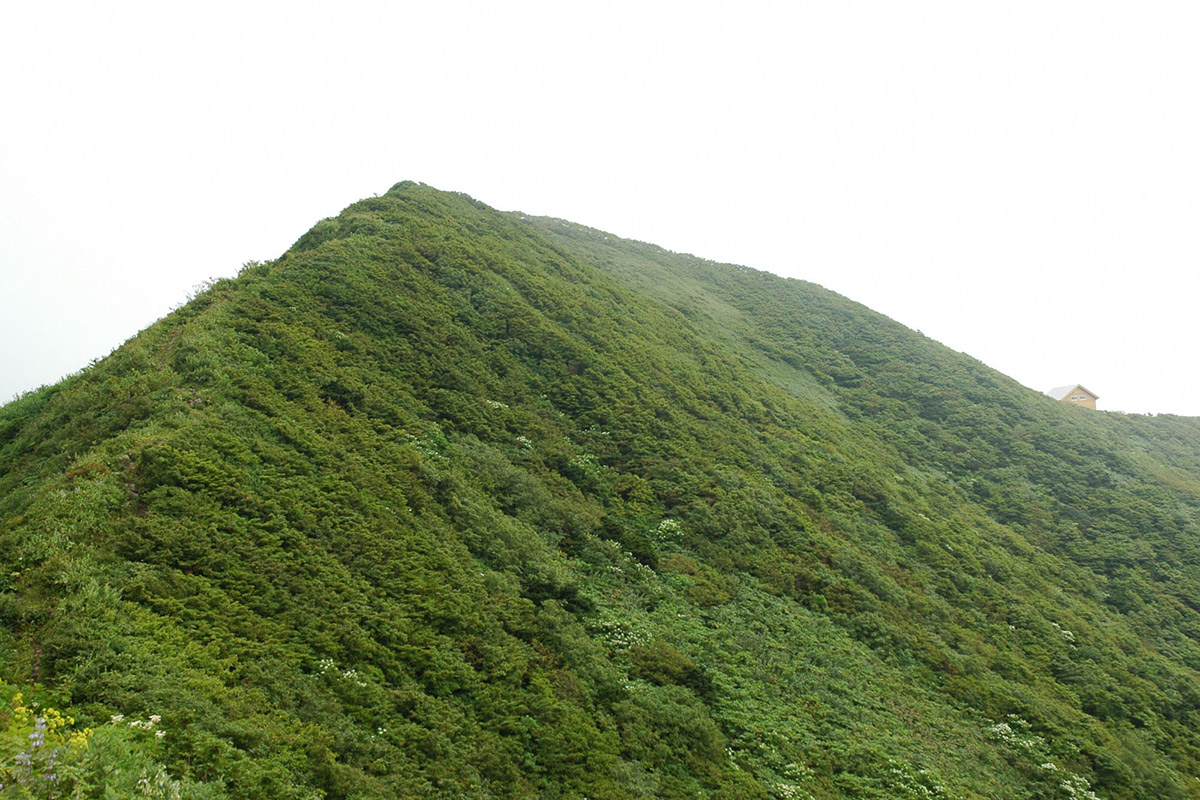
[[452, 503], [44, 755]]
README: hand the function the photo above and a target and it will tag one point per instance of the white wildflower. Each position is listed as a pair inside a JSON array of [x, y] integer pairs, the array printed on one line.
[[669, 530]]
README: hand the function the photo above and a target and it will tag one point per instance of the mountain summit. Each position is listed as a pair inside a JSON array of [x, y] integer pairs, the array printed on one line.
[[453, 503]]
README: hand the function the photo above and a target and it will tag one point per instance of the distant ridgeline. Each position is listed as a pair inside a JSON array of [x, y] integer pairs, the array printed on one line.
[[452, 503]]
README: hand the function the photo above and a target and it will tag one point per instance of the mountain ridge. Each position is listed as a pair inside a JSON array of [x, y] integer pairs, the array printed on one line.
[[453, 502]]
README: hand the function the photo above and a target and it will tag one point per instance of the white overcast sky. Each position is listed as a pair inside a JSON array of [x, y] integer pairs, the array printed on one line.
[[1019, 180]]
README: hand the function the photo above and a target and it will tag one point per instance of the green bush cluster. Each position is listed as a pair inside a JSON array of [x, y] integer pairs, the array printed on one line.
[[45, 754]]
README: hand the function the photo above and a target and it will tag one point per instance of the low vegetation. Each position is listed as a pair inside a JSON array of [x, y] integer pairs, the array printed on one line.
[[450, 503]]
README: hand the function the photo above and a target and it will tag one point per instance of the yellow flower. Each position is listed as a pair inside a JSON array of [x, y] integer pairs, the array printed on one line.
[[19, 710], [55, 720], [79, 738]]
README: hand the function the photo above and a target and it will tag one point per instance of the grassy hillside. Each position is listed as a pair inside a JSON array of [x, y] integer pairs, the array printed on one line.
[[452, 503]]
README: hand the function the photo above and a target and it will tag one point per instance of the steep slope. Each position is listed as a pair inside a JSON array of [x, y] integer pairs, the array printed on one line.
[[451, 503]]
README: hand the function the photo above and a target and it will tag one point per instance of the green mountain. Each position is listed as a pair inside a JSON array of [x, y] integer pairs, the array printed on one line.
[[452, 503]]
